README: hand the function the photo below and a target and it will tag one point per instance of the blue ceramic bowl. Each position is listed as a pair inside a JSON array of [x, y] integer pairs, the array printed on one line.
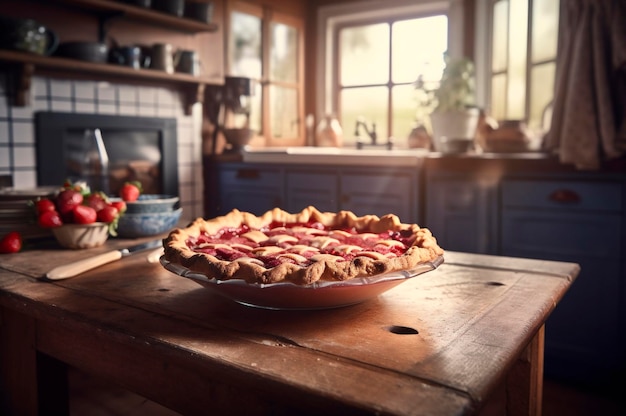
[[148, 203], [147, 224]]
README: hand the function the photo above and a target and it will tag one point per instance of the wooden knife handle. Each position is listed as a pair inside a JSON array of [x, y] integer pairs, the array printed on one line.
[[81, 266]]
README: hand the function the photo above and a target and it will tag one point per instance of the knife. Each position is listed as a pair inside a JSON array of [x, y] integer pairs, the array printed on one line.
[[72, 269]]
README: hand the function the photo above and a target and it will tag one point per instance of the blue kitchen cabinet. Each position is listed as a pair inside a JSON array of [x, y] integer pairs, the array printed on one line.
[[581, 222], [259, 187], [462, 211], [380, 192], [250, 188], [316, 187]]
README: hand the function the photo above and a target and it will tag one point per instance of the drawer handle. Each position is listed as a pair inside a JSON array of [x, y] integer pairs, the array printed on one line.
[[565, 196], [247, 174]]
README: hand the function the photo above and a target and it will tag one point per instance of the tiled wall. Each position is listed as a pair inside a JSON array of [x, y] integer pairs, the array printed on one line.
[[17, 130]]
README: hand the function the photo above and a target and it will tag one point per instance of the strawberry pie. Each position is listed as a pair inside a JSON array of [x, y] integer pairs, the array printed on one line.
[[302, 248]]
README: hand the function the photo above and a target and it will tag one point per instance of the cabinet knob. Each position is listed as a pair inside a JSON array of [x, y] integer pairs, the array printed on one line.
[[564, 196]]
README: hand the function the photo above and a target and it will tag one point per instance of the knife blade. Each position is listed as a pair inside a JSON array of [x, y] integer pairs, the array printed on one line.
[[75, 268]]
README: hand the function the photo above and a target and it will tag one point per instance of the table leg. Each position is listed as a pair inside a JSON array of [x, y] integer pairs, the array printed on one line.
[[18, 364], [30, 383], [524, 384]]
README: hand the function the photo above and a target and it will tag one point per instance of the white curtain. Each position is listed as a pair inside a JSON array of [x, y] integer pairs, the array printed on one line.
[[588, 124]]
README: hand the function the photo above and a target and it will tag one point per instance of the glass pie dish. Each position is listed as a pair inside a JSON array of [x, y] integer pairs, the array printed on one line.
[[287, 295]]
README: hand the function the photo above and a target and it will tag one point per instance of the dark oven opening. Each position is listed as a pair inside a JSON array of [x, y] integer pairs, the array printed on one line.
[[137, 149]]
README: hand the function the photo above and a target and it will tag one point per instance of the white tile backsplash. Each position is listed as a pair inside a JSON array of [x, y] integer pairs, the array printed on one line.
[[106, 92], [23, 132], [128, 95], [4, 132], [85, 107], [25, 178], [61, 89], [40, 87], [18, 142], [64, 106], [4, 158], [24, 157], [85, 90], [107, 108]]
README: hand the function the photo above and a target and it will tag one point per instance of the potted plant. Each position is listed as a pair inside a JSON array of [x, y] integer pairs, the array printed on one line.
[[452, 111]]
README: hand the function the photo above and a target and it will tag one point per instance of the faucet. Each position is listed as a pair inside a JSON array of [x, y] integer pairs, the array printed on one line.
[[371, 133]]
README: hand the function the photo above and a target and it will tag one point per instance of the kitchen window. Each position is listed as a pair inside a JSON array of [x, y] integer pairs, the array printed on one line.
[[266, 46], [373, 55], [524, 35], [514, 51]]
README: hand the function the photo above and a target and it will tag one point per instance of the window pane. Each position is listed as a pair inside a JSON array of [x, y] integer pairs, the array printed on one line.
[[418, 46], [284, 53], [367, 103], [284, 112], [403, 115], [500, 35], [364, 55], [541, 93], [544, 30], [498, 97], [516, 87], [245, 45], [256, 109]]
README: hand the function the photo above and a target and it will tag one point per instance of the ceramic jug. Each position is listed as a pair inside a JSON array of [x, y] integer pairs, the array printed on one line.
[[329, 132]]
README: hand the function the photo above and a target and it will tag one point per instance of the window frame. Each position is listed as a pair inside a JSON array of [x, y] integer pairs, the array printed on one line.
[[331, 19], [484, 55], [269, 16]]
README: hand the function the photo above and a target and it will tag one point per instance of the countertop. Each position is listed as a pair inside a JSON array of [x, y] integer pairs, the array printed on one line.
[[364, 157]]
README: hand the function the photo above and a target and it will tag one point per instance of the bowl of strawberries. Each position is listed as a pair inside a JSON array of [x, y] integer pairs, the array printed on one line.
[[77, 217]]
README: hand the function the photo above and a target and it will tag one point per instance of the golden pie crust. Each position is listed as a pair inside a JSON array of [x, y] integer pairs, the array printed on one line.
[[302, 264]]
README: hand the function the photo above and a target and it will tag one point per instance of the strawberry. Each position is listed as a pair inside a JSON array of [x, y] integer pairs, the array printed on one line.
[[120, 205], [96, 200], [84, 215], [11, 243], [67, 200], [108, 214], [50, 219], [130, 191], [43, 205]]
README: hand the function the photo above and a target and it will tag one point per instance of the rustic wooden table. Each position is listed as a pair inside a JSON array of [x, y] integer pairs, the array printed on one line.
[[449, 342]]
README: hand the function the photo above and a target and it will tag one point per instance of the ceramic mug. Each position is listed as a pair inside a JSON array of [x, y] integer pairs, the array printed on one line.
[[187, 62], [127, 56], [162, 57], [27, 35]]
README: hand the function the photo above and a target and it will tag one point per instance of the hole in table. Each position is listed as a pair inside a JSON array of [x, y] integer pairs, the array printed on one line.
[[402, 330], [495, 284]]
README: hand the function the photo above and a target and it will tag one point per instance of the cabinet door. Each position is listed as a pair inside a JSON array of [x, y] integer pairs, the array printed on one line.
[[380, 193], [251, 189], [462, 213], [579, 222], [319, 189]]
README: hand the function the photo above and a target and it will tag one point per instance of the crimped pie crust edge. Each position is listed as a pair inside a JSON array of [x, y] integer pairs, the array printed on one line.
[[424, 249]]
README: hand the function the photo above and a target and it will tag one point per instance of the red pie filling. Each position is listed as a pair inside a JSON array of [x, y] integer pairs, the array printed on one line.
[[299, 243]]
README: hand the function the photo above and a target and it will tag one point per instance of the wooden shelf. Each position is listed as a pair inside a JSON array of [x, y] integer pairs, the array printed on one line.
[[26, 64], [128, 11]]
